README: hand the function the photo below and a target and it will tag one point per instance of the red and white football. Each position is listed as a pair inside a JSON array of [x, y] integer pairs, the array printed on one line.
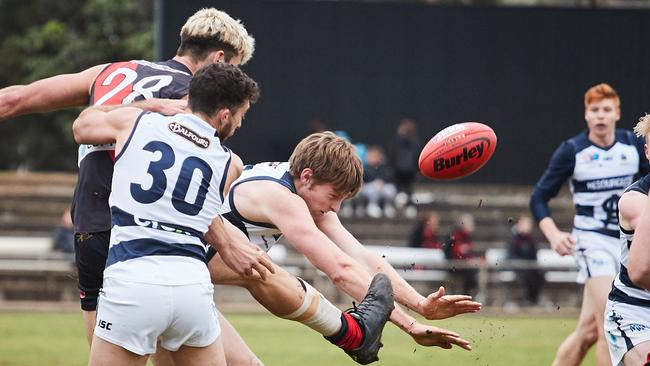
[[457, 151]]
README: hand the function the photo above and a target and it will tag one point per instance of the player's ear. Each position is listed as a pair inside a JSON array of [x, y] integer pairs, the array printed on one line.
[[220, 56], [306, 176], [217, 56], [222, 115]]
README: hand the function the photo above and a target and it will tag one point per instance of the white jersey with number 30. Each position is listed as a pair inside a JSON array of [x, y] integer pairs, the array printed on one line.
[[167, 188]]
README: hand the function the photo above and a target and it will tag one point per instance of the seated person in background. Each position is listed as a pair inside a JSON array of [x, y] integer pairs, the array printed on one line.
[[63, 236], [459, 248], [378, 192], [522, 246], [425, 233]]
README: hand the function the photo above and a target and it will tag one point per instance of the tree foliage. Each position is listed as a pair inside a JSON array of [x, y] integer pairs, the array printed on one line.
[[41, 38]]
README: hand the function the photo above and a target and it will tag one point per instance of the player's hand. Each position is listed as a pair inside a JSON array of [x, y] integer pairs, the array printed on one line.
[[562, 242], [169, 107], [426, 335], [236, 251], [246, 258], [438, 306]]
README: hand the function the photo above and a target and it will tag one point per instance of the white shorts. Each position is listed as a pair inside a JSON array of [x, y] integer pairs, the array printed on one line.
[[625, 327], [596, 255], [133, 315]]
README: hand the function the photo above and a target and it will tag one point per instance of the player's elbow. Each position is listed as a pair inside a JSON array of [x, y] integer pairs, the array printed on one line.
[[10, 104], [80, 129], [639, 274], [538, 206]]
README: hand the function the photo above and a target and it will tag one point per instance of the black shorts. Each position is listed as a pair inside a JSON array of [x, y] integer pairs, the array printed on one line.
[[91, 250]]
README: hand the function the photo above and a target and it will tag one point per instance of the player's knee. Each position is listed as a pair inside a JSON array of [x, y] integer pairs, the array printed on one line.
[[588, 336]]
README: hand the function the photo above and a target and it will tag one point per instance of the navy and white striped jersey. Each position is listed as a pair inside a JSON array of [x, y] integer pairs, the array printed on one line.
[[598, 178], [167, 188], [623, 290], [262, 234]]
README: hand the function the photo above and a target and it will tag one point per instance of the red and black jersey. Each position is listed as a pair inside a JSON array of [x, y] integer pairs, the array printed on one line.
[[118, 83]]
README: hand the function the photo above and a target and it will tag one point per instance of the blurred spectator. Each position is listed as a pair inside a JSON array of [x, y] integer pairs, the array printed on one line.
[[64, 233], [460, 244], [426, 232], [523, 246], [403, 154], [459, 247], [378, 192]]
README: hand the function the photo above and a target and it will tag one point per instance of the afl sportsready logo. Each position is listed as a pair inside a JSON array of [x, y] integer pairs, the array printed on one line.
[[188, 134]]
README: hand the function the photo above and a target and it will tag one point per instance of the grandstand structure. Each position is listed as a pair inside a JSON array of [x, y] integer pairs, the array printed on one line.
[[31, 205]]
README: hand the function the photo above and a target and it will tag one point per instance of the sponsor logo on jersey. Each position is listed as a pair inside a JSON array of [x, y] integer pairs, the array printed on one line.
[[148, 223], [473, 150], [190, 135], [610, 183]]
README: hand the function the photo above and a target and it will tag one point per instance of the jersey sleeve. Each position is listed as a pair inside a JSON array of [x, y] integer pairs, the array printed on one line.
[[559, 169]]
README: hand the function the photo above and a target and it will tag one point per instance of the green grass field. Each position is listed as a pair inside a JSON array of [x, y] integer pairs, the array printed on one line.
[[37, 339]]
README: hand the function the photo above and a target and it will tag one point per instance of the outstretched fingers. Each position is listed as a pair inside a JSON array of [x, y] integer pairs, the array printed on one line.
[[460, 342]]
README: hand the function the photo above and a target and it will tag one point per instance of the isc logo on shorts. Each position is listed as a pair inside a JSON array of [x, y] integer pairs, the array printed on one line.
[[104, 324]]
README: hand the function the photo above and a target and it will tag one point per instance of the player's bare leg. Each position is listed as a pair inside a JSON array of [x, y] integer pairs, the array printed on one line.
[[574, 348], [237, 351], [162, 357], [103, 353], [89, 319], [212, 355], [288, 297], [598, 288], [282, 293], [637, 355]]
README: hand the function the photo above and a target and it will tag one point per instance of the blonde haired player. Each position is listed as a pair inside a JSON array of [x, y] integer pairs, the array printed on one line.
[[214, 27], [627, 316], [601, 162]]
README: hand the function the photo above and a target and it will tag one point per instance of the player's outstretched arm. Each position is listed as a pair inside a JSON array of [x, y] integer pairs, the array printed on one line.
[[291, 216], [56, 92], [639, 257], [434, 306]]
